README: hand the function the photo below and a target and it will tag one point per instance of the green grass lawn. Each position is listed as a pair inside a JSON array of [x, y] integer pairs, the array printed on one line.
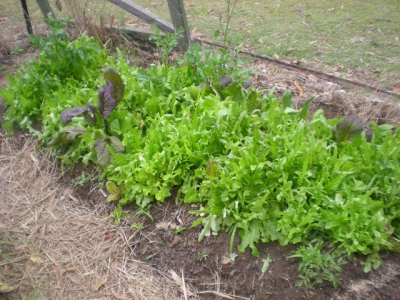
[[350, 36]]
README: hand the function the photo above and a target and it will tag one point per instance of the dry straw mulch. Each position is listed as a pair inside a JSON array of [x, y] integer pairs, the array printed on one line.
[[54, 247]]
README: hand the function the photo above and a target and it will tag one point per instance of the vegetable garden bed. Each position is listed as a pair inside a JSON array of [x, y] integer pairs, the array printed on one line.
[[245, 161]]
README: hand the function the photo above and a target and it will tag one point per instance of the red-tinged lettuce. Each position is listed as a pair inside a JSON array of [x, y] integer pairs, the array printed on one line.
[[67, 135], [109, 97], [112, 93], [88, 110], [104, 157], [348, 129]]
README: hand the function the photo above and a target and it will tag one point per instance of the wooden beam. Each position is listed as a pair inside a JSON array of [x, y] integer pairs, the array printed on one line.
[[178, 16], [144, 14], [45, 7]]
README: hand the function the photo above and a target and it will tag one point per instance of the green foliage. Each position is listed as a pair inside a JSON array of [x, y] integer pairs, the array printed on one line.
[[266, 263], [202, 255], [167, 43], [6, 243], [316, 267], [114, 190], [118, 215], [348, 128], [257, 166], [82, 179], [209, 66], [58, 63]]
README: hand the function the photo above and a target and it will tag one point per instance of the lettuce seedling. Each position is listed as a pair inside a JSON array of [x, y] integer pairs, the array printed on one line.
[[109, 97]]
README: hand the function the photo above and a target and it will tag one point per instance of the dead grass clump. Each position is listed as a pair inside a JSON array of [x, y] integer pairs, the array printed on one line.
[[95, 24], [5, 50], [56, 247]]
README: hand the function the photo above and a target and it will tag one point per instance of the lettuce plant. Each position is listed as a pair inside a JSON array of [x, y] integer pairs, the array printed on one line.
[[109, 97], [59, 63], [348, 129]]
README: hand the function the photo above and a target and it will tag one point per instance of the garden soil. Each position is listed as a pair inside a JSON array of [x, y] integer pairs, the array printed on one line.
[[58, 241]]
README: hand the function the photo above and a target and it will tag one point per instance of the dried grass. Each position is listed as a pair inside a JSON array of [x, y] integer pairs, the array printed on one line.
[[61, 248], [95, 24], [5, 50], [336, 100]]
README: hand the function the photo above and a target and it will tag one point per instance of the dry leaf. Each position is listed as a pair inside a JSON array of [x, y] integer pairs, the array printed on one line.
[[396, 89], [312, 78], [109, 234], [43, 230], [226, 260], [301, 93], [119, 297], [5, 288], [275, 56], [131, 21], [56, 267], [67, 191], [331, 9], [99, 282], [175, 277], [72, 269], [173, 242], [35, 257]]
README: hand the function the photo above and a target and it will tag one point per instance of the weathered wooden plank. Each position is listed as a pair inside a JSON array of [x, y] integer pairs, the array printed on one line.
[[144, 14], [178, 16], [45, 7]]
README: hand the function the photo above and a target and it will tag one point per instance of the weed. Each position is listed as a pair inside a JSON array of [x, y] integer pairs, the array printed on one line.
[[34, 294], [225, 29], [202, 255], [82, 179], [315, 267], [118, 215], [165, 44], [6, 243], [232, 256], [151, 256], [179, 230], [17, 51], [138, 226], [266, 262]]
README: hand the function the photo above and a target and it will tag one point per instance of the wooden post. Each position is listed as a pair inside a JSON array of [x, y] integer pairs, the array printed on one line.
[[178, 16], [45, 7], [144, 14], [26, 16]]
